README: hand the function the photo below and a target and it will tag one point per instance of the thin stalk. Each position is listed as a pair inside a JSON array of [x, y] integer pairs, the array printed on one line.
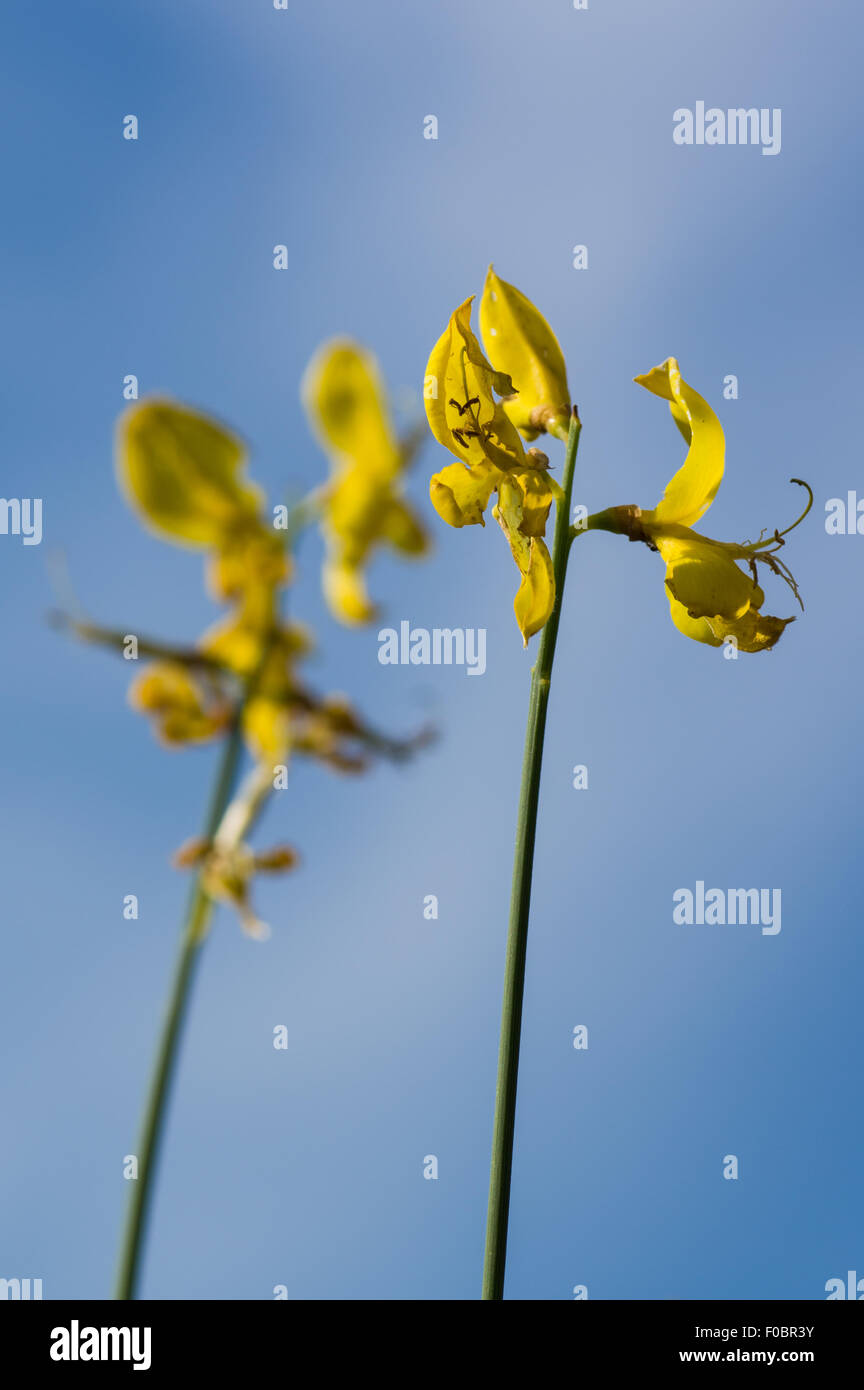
[[520, 901], [195, 922]]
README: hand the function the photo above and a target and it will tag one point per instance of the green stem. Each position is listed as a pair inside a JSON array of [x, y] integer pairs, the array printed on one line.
[[197, 915], [520, 901]]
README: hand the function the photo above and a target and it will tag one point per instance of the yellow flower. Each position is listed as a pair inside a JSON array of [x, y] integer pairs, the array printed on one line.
[[523, 345], [464, 416], [251, 558], [183, 473], [711, 598], [185, 707], [362, 505]]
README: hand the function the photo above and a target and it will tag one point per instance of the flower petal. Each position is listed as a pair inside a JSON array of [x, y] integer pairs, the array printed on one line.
[[184, 708], [460, 495], [345, 591], [183, 473], [346, 404], [691, 491], [462, 411], [754, 632], [267, 728], [706, 580], [536, 485], [698, 628], [400, 527], [361, 507], [535, 597]]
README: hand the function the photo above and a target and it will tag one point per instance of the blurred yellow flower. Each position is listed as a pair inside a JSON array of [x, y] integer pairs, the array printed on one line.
[[362, 506], [185, 707], [183, 473]]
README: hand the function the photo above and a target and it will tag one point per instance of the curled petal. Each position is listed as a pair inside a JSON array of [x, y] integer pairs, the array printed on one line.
[[691, 491], [521, 342]]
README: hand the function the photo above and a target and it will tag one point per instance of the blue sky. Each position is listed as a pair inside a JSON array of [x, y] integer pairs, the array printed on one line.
[[304, 1167]]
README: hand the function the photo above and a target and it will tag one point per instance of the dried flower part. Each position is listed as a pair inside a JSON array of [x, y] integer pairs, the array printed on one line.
[[226, 876], [276, 860], [228, 869], [191, 853]]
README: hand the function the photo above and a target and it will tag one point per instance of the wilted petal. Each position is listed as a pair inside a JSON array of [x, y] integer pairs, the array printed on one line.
[[754, 632]]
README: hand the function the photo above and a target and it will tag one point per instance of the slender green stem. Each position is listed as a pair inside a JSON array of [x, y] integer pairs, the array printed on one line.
[[520, 901], [192, 937]]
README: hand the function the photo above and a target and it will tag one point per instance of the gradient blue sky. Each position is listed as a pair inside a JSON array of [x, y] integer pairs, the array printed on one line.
[[304, 1167]]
